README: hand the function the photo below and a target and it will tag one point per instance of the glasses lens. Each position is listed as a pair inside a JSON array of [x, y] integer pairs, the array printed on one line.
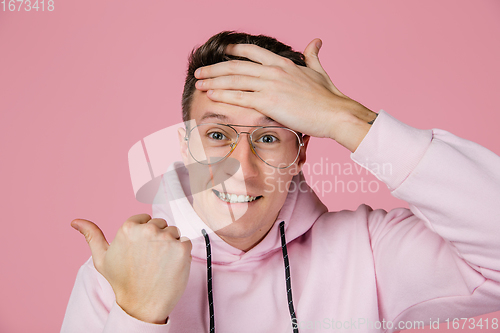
[[210, 143], [276, 146]]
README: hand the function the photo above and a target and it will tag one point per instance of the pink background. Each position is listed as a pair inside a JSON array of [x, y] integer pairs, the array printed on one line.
[[80, 85]]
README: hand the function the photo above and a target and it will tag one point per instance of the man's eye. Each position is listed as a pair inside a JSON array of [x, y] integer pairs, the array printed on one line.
[[268, 139], [216, 136]]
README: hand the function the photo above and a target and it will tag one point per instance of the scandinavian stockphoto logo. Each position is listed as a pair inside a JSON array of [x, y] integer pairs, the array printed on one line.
[[325, 177], [349, 177]]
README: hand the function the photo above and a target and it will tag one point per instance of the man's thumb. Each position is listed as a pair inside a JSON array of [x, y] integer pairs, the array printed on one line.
[[311, 55], [94, 237]]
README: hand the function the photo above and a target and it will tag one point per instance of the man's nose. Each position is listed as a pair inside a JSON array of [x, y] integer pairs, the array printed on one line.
[[246, 157]]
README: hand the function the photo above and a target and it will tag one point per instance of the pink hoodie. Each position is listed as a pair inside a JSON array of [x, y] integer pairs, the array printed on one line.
[[354, 271]]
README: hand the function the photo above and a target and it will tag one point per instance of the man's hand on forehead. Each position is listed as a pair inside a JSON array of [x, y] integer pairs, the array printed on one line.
[[301, 98]]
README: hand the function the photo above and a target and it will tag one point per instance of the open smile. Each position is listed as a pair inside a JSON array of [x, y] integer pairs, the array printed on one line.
[[235, 198]]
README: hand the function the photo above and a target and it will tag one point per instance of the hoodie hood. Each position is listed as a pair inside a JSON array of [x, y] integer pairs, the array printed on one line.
[[173, 203]]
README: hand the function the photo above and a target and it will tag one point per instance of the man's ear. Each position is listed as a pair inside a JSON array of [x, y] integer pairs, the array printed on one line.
[[302, 155], [181, 134]]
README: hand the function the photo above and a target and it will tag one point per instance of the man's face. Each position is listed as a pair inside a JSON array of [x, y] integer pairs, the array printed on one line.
[[241, 224]]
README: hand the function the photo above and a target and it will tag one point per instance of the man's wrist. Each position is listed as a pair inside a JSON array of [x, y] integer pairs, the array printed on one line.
[[351, 126]]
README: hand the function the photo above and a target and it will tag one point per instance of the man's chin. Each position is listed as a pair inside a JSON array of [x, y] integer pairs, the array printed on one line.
[[224, 223], [216, 218], [238, 230]]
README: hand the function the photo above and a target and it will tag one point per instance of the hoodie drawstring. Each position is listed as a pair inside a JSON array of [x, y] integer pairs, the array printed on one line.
[[209, 281], [287, 277]]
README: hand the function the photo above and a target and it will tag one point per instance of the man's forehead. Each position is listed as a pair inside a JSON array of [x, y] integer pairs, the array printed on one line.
[[234, 119]]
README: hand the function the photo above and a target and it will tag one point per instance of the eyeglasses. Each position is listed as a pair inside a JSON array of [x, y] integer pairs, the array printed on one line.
[[212, 143]]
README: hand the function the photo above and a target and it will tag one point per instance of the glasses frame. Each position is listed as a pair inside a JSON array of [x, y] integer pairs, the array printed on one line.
[[250, 142]]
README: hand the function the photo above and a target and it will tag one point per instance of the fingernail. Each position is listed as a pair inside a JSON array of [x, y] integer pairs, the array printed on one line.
[[75, 226], [210, 92], [199, 84], [197, 73], [318, 44]]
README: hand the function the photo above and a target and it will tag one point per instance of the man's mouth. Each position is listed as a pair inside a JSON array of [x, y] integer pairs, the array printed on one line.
[[235, 198]]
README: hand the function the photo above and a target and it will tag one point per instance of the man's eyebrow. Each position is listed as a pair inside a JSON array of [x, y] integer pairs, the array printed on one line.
[[219, 116], [266, 120]]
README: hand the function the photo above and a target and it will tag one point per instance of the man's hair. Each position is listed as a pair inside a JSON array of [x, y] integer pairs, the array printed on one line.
[[212, 52]]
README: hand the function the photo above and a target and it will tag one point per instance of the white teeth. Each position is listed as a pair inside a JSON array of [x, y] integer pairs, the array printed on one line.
[[234, 198]]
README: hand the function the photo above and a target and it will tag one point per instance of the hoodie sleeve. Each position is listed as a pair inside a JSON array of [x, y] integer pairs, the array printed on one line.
[[92, 308], [441, 259]]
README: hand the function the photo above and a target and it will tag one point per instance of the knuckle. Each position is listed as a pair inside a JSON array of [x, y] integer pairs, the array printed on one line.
[[287, 62], [239, 95], [172, 229], [162, 219], [177, 230], [127, 226], [165, 237], [234, 65], [169, 234], [88, 237], [150, 229], [276, 70]]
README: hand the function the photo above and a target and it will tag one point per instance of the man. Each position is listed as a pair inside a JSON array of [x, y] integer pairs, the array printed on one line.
[[264, 260]]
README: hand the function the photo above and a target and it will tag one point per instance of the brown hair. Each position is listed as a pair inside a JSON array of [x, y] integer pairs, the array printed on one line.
[[212, 52]]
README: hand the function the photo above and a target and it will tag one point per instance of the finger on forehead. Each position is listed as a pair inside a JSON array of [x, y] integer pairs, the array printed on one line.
[[255, 53], [233, 82], [235, 97], [232, 67], [161, 223]]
